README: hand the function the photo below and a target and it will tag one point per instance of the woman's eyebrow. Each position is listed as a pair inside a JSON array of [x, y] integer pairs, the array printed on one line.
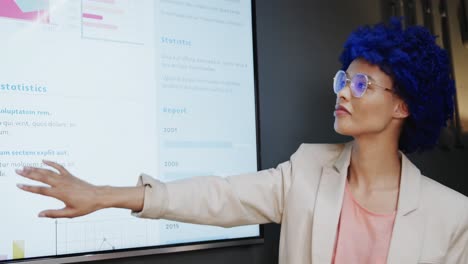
[[370, 78]]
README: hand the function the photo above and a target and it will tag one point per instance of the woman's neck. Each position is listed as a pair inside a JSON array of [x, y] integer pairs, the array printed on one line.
[[375, 165]]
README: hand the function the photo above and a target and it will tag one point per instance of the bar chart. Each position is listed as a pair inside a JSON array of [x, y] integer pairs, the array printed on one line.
[[18, 249], [112, 20]]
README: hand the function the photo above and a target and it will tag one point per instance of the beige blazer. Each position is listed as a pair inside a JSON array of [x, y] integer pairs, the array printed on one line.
[[305, 195]]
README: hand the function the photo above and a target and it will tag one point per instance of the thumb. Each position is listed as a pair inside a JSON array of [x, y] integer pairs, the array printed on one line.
[[60, 213]]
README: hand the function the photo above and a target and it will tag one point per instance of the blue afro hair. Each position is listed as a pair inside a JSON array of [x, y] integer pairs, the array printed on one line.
[[421, 73]]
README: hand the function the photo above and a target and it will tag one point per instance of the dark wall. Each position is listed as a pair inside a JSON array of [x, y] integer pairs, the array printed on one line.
[[299, 42], [448, 163]]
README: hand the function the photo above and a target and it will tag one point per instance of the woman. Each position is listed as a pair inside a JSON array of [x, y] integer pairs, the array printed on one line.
[[360, 202]]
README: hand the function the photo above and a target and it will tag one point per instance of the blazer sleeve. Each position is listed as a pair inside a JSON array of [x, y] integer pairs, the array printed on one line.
[[252, 198], [458, 251]]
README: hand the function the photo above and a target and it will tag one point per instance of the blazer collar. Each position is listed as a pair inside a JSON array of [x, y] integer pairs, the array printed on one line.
[[330, 199], [408, 199], [344, 159]]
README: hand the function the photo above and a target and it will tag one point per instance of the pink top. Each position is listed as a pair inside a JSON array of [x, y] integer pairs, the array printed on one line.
[[363, 236]]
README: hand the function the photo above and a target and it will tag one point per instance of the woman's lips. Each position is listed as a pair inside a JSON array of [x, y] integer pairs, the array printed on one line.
[[341, 110]]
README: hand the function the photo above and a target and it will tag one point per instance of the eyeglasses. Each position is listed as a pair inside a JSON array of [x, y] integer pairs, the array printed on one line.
[[358, 83]]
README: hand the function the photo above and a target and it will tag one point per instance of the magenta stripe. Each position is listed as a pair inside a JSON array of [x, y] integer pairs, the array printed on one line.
[[93, 16]]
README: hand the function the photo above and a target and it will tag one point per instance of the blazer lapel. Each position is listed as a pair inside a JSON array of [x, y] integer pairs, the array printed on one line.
[[328, 207], [406, 242]]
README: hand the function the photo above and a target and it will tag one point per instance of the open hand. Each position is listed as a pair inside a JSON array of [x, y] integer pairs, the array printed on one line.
[[80, 197]]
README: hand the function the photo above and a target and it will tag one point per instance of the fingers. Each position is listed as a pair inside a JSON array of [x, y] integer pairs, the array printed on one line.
[[37, 174], [47, 191], [56, 166], [61, 213], [42, 190]]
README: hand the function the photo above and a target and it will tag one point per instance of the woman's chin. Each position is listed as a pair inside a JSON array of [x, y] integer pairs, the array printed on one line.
[[343, 133], [342, 130]]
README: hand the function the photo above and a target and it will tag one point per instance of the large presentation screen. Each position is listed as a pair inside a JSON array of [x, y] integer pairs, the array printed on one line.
[[112, 89]]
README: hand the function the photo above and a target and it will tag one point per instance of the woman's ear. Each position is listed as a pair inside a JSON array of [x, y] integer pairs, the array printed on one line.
[[401, 109]]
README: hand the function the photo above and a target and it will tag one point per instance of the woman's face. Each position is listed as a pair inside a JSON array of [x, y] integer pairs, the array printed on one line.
[[373, 112]]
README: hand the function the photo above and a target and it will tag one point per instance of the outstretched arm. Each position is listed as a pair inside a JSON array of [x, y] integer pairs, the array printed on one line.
[[251, 198]]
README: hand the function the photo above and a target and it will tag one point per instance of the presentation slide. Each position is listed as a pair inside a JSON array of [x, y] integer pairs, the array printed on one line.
[[112, 89]]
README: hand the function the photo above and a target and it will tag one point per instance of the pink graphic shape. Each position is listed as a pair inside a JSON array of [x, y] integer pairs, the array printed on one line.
[[92, 16], [8, 8]]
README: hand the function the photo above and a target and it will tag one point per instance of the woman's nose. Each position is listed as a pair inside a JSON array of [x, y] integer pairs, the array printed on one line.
[[345, 93]]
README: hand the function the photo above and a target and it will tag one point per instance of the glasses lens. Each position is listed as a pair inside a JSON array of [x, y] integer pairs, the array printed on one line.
[[339, 81], [359, 84]]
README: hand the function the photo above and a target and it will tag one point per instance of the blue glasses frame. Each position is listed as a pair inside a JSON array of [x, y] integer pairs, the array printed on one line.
[[358, 83]]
